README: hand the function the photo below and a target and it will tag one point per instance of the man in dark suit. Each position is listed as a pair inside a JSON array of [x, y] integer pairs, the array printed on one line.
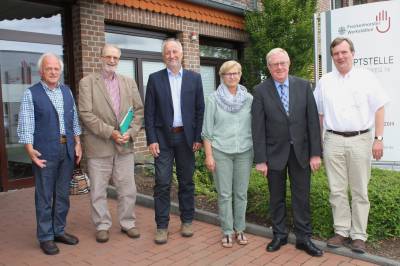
[[174, 108], [286, 140]]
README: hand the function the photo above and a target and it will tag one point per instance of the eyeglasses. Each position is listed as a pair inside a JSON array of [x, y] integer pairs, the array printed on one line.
[[109, 57], [277, 64], [232, 74]]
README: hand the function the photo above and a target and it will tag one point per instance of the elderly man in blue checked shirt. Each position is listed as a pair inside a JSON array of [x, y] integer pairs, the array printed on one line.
[[49, 127]]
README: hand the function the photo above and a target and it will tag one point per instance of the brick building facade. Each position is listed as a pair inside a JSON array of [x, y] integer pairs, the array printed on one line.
[[211, 31], [90, 17]]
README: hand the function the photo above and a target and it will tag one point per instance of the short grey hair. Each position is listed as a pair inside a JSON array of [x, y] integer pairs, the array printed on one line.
[[110, 45], [228, 65], [276, 51], [171, 40], [43, 56]]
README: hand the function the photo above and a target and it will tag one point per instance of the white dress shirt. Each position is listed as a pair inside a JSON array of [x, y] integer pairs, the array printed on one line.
[[349, 102], [175, 82]]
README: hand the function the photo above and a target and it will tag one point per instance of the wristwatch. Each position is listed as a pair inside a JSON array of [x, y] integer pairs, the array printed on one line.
[[380, 138]]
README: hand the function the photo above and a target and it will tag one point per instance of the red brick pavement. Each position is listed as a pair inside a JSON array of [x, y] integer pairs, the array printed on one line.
[[18, 245]]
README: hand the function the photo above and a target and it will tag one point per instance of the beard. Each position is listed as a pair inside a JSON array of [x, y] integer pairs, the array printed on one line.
[[109, 69]]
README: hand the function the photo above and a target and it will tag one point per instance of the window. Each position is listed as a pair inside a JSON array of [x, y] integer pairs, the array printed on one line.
[[21, 44], [218, 52], [213, 53], [141, 52]]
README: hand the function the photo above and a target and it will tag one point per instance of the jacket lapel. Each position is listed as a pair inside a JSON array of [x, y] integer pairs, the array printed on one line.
[[167, 89], [100, 83], [292, 96], [123, 95], [275, 96], [184, 86]]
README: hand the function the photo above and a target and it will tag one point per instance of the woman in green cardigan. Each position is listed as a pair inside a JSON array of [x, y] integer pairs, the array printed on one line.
[[228, 148]]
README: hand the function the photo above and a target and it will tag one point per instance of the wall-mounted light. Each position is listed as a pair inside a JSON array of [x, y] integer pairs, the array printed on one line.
[[193, 36]]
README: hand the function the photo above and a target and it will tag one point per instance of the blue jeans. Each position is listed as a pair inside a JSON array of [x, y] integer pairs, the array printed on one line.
[[52, 195], [184, 160]]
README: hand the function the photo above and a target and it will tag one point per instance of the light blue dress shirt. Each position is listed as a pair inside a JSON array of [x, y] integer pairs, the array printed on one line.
[[285, 86], [26, 121], [175, 82]]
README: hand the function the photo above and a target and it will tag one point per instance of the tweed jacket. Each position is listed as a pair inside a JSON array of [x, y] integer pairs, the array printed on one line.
[[98, 118]]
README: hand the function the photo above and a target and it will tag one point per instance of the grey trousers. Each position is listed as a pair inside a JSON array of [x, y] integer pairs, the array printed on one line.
[[121, 169], [231, 178]]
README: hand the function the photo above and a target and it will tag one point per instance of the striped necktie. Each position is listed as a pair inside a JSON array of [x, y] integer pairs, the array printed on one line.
[[284, 98]]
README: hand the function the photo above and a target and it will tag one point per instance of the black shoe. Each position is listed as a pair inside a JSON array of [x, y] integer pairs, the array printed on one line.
[[67, 239], [276, 244], [309, 248], [49, 247]]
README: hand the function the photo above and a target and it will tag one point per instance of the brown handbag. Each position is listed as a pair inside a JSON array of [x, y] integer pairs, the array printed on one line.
[[79, 182]]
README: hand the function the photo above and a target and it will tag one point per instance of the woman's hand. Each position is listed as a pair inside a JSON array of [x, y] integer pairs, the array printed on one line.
[[210, 163]]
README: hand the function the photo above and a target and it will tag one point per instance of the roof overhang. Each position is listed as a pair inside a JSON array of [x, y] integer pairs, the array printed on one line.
[[20, 9]]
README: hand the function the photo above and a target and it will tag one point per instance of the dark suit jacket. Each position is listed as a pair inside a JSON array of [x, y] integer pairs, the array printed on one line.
[[159, 111], [273, 131]]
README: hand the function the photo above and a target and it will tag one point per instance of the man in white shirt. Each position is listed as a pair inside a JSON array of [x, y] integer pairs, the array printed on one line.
[[350, 102]]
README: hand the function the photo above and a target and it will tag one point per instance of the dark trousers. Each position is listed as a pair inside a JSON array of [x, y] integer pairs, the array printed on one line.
[[52, 195], [184, 161], [300, 192]]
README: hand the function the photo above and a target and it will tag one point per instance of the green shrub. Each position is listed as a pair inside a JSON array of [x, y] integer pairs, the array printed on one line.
[[384, 196], [258, 195], [203, 179]]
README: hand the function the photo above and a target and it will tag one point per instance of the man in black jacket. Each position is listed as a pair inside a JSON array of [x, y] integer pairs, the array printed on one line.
[[286, 140]]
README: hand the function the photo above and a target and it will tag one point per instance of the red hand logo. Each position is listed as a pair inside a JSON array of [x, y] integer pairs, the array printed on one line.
[[383, 20]]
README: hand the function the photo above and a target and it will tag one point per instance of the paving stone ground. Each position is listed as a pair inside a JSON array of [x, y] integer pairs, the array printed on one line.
[[18, 245]]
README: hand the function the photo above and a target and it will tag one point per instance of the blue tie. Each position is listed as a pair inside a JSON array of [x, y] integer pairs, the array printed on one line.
[[284, 98]]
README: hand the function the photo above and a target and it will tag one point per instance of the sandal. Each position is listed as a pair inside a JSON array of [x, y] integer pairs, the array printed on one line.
[[241, 238], [227, 241]]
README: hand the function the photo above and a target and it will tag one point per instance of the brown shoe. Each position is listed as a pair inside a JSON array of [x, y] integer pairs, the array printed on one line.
[[358, 245], [186, 230], [161, 236], [132, 233], [337, 241], [102, 236]]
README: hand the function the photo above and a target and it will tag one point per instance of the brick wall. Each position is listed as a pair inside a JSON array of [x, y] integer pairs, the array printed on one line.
[[323, 5], [184, 28], [88, 35], [89, 18]]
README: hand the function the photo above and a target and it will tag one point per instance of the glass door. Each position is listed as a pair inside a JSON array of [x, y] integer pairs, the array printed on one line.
[[208, 79], [21, 44], [149, 67]]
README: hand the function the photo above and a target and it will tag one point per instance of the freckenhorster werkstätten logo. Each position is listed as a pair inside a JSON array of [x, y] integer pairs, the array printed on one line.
[[383, 21], [342, 30]]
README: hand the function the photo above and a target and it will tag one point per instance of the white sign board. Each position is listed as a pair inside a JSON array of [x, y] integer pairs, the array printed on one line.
[[375, 31]]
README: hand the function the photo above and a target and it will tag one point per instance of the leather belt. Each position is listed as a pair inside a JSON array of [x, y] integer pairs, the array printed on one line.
[[349, 133], [63, 139], [177, 129]]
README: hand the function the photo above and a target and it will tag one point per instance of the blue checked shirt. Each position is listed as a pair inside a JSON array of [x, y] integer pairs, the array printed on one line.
[[26, 120]]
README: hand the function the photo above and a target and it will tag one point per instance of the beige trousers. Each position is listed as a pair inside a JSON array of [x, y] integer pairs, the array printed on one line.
[[121, 169], [348, 166]]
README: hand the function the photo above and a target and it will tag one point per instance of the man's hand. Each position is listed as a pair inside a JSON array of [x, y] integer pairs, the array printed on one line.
[[34, 155], [78, 152], [125, 138], [263, 168], [197, 146], [210, 163], [117, 137], [154, 149], [377, 149], [315, 163]]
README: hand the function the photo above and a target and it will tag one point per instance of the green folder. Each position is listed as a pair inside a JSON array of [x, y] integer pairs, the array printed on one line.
[[126, 122]]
